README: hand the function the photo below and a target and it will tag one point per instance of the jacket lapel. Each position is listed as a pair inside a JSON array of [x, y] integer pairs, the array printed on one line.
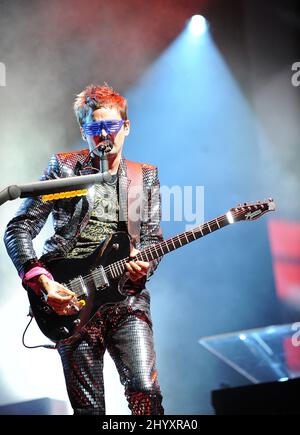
[[124, 184]]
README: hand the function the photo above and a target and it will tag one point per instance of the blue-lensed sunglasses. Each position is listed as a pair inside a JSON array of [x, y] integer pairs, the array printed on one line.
[[95, 128]]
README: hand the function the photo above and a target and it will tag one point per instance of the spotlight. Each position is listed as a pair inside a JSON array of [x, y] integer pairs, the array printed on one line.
[[197, 25]]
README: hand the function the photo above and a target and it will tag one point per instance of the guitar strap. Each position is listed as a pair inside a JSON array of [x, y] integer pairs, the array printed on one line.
[[135, 199]]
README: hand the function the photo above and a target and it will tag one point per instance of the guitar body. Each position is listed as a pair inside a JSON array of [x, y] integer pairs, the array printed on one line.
[[66, 328]]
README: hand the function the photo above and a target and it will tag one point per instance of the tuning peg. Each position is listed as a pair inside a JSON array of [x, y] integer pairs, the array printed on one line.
[[245, 203], [270, 199]]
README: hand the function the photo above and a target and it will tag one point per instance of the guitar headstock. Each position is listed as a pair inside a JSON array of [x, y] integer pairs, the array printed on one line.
[[250, 212]]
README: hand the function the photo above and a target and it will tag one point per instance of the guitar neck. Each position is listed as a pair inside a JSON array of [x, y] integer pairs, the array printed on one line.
[[244, 212], [160, 249], [169, 245]]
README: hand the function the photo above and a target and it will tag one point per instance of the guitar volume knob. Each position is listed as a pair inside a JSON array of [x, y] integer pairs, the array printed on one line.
[[63, 331], [47, 309]]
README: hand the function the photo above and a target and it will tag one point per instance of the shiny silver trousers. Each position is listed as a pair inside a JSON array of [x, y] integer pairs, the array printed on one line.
[[126, 332]]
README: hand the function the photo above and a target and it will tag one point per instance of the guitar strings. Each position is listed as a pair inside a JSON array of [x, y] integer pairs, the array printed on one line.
[[179, 238], [117, 269], [183, 237]]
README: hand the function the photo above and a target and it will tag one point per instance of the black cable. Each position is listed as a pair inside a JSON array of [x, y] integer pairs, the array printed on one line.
[[46, 346]]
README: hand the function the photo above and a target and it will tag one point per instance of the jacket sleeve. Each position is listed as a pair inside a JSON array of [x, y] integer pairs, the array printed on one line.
[[26, 225], [151, 232]]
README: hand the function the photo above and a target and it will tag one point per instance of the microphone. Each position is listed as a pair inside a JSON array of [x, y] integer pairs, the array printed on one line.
[[104, 146]]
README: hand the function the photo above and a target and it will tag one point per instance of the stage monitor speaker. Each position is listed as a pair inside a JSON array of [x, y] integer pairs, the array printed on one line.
[[265, 398]]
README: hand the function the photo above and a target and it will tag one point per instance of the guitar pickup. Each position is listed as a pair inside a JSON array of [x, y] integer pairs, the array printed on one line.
[[100, 278], [78, 286]]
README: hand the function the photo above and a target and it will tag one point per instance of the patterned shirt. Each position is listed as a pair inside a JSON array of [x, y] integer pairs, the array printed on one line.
[[103, 221]]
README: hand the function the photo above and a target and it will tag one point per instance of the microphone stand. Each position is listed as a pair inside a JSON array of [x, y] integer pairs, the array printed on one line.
[[61, 184], [52, 186]]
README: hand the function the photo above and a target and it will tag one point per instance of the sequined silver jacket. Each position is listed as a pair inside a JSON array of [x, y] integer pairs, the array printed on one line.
[[71, 215]]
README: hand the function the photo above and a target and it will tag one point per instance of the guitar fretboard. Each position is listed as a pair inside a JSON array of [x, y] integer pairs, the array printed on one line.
[[241, 212], [160, 249]]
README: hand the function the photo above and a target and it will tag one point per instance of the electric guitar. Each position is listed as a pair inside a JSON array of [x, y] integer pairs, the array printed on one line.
[[99, 279]]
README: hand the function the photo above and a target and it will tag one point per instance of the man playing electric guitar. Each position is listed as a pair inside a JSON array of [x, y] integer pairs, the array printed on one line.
[[81, 224]]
